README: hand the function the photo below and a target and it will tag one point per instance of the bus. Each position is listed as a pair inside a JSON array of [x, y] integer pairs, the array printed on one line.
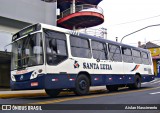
[[56, 59]]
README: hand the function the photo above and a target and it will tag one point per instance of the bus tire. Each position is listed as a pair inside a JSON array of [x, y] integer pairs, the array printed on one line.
[[52, 92], [82, 85], [137, 83], [112, 88]]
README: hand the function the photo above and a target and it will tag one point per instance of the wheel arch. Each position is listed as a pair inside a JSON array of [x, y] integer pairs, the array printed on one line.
[[87, 74], [138, 75]]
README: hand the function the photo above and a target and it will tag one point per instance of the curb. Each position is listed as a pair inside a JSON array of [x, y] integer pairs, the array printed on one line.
[[23, 95]]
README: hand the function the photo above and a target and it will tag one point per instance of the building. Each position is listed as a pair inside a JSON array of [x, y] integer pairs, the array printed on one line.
[[78, 14], [155, 52], [17, 14]]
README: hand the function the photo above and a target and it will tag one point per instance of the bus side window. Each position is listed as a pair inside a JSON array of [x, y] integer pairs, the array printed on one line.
[[114, 53], [99, 50], [56, 47], [80, 47], [136, 56], [145, 58], [127, 55]]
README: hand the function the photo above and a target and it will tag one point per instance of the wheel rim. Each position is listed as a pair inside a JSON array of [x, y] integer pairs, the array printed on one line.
[[83, 84]]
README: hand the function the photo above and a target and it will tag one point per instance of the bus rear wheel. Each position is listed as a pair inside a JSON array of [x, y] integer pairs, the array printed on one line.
[[82, 85], [137, 83], [112, 88], [52, 92]]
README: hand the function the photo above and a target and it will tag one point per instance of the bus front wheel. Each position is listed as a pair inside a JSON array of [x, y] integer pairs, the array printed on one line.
[[52, 92], [82, 85]]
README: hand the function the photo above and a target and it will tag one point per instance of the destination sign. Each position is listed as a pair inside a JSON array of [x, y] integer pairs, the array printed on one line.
[[26, 31]]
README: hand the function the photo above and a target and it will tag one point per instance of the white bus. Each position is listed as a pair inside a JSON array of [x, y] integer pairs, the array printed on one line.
[[56, 59]]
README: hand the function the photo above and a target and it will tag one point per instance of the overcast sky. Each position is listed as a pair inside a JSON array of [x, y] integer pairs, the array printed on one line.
[[125, 16]]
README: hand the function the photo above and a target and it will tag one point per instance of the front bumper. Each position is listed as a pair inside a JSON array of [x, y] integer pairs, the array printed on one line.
[[45, 81], [37, 83]]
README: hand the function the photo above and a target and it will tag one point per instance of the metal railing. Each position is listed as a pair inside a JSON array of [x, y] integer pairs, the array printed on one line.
[[101, 32], [81, 8]]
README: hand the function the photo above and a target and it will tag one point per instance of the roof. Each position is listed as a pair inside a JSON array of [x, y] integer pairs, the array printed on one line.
[[149, 45]]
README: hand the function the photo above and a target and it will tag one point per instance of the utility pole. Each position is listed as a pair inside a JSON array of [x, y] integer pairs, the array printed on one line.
[[73, 8]]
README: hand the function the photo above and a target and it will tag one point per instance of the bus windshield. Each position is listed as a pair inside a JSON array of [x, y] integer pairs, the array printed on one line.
[[27, 52]]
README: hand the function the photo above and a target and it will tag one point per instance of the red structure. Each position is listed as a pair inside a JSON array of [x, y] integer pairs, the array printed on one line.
[[76, 14]]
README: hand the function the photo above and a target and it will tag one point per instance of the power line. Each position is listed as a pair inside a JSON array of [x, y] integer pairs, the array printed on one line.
[[149, 41], [137, 20]]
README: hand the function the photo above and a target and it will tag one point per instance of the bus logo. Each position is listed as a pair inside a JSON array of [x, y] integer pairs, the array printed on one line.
[[135, 68], [21, 78], [76, 65]]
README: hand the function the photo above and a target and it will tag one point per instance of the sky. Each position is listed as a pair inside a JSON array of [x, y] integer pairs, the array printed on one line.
[[126, 16]]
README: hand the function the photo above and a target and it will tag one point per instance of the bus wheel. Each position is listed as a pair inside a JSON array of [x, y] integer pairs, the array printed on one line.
[[112, 88], [52, 92], [82, 85], [137, 83]]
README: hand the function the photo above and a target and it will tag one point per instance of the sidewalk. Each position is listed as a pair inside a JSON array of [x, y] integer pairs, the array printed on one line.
[[38, 93]]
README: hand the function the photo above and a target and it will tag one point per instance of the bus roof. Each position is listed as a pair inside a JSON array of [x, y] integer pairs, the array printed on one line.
[[88, 36], [112, 42]]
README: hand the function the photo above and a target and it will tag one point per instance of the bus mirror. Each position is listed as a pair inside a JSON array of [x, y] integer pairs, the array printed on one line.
[[8, 47], [37, 50], [52, 44], [5, 50]]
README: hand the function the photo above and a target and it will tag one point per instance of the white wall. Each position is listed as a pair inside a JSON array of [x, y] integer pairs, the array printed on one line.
[[30, 11]]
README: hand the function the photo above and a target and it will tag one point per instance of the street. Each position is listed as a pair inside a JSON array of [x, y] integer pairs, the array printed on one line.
[[148, 94]]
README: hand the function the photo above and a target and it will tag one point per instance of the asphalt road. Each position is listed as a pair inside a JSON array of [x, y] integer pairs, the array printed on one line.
[[104, 102]]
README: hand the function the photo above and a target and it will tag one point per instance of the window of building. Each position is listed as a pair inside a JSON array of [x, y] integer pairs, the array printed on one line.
[[136, 56], [127, 55], [99, 50], [114, 53], [80, 47]]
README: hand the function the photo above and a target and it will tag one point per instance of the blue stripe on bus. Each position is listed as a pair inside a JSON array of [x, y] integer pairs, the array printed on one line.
[[64, 81]]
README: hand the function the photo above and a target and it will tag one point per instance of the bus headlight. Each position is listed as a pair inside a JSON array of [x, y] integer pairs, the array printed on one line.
[[13, 78], [36, 73]]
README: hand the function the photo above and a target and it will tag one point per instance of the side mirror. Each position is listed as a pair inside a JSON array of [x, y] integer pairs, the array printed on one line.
[[52, 44], [8, 47]]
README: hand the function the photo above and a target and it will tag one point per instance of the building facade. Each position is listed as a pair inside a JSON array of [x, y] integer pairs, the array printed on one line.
[[155, 53], [15, 15]]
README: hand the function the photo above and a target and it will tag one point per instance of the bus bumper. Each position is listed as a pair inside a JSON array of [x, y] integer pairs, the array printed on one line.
[[37, 83], [46, 81]]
